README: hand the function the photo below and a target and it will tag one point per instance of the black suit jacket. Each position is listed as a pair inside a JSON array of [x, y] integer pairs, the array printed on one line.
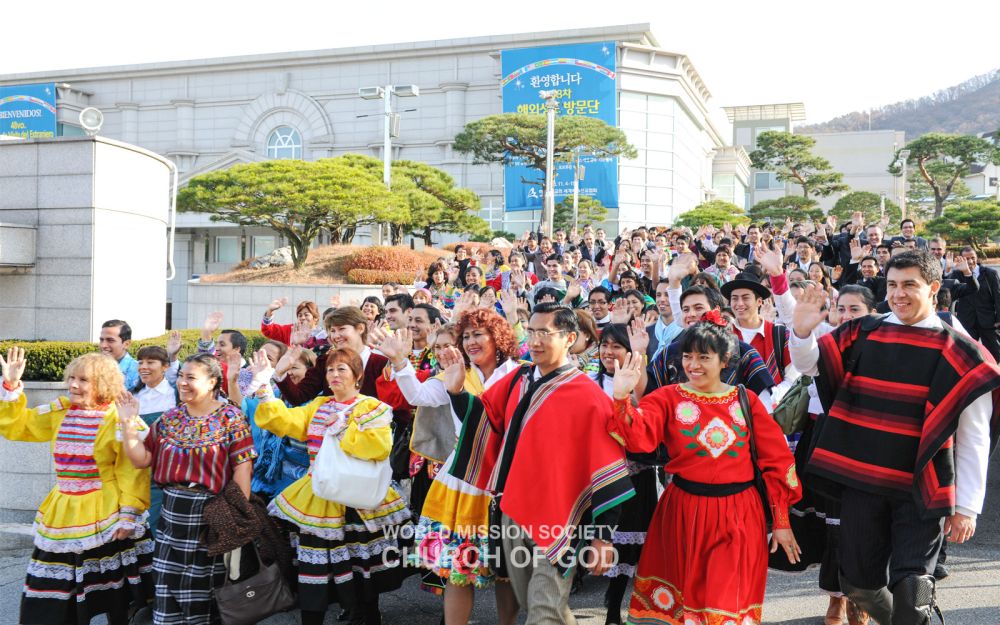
[[982, 308]]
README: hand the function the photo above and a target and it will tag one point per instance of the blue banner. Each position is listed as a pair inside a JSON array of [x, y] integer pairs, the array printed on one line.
[[583, 77], [28, 111]]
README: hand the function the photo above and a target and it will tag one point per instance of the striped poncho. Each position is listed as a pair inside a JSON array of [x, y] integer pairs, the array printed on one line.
[[892, 402]]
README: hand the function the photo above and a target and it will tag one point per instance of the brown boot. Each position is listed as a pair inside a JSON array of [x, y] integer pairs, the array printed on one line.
[[855, 615], [836, 613]]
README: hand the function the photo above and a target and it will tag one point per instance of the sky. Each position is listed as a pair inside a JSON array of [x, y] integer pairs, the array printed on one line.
[[836, 57]]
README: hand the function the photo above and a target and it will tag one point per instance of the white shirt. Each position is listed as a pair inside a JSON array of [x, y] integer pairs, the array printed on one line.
[[789, 376], [432, 392], [972, 440], [160, 398]]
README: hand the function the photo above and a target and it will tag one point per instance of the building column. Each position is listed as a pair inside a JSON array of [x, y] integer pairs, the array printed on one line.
[[184, 153], [130, 121]]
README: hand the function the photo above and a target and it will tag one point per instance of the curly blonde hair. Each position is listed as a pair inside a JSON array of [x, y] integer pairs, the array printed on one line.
[[106, 379]]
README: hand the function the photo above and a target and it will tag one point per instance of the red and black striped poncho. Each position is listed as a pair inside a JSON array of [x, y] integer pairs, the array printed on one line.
[[890, 419]]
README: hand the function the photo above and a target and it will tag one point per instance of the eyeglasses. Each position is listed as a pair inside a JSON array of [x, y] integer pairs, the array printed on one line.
[[542, 334]]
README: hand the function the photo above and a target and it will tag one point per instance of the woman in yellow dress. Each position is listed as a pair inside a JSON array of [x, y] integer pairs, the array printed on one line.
[[93, 553], [345, 555]]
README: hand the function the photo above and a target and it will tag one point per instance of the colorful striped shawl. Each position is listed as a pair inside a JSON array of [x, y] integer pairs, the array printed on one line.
[[565, 464], [890, 420]]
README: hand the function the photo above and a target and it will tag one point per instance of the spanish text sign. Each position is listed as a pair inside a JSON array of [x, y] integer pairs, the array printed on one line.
[[28, 111], [583, 78]]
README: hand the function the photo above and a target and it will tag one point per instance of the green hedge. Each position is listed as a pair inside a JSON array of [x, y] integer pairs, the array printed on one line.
[[48, 359]]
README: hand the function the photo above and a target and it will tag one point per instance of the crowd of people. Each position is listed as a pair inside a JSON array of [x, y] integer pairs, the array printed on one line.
[[673, 408]]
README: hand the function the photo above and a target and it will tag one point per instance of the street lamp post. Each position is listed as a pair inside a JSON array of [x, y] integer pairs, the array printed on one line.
[[386, 93], [903, 155], [549, 210]]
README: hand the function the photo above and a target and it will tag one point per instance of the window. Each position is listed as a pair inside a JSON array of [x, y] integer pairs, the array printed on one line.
[[262, 246], [743, 137], [767, 180], [284, 142], [227, 250]]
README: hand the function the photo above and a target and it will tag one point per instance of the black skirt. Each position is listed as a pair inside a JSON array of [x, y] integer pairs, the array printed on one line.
[[351, 571], [815, 521], [72, 588], [634, 521]]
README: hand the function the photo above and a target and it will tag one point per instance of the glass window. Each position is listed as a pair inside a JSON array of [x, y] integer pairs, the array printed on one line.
[[284, 142], [762, 180], [227, 250], [262, 246], [743, 136]]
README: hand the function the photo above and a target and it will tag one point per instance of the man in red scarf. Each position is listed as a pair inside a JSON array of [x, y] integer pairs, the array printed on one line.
[[537, 439]]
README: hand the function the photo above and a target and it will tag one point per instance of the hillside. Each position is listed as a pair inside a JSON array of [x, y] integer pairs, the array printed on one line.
[[969, 108]]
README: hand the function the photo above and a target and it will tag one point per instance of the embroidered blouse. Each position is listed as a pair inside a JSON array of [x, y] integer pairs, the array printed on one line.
[[200, 450], [707, 440]]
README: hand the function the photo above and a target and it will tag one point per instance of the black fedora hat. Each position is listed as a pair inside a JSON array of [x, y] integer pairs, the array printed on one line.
[[746, 280]]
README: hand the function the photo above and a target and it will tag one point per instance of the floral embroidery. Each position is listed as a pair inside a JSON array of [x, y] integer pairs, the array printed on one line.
[[663, 598], [791, 478], [736, 412], [717, 437], [687, 413]]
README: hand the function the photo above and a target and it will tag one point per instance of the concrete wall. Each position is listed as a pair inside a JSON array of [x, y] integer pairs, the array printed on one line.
[[26, 469], [101, 212], [863, 158], [243, 304]]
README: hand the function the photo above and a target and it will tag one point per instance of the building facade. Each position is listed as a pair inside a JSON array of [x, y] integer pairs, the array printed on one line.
[[210, 114]]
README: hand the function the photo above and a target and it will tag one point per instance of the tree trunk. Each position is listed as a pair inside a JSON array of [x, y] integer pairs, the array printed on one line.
[[300, 251], [938, 205], [396, 234], [347, 235], [427, 236]]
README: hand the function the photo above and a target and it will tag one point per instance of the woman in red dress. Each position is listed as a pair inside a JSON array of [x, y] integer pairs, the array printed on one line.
[[705, 557]]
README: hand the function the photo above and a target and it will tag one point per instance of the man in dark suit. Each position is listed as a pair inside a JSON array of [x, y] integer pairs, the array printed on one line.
[[748, 248], [980, 312], [590, 249]]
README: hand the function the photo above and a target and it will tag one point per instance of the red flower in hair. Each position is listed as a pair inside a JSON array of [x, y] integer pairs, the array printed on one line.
[[714, 316]]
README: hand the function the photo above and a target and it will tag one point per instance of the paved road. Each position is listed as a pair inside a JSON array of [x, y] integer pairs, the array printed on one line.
[[971, 596]]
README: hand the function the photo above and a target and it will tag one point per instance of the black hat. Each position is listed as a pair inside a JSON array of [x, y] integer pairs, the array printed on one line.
[[746, 280]]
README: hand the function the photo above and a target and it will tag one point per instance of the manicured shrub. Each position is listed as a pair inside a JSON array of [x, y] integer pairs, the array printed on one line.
[[394, 259], [379, 276], [47, 360]]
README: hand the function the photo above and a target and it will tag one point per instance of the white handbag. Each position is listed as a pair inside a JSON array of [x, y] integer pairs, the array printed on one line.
[[353, 482]]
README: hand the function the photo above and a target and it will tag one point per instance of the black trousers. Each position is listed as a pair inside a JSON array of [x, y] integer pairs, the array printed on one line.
[[989, 337], [884, 540]]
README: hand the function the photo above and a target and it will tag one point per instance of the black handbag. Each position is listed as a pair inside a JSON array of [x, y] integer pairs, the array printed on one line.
[[758, 475], [248, 601]]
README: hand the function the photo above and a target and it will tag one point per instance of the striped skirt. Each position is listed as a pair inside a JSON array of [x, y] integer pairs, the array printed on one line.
[[183, 573], [72, 588], [351, 571]]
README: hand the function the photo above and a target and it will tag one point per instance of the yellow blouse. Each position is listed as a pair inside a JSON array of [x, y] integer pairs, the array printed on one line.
[[98, 491]]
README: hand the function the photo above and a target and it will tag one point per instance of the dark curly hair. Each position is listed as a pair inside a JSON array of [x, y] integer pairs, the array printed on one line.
[[497, 326]]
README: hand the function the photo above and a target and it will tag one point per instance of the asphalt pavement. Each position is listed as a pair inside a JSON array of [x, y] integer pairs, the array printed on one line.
[[970, 596]]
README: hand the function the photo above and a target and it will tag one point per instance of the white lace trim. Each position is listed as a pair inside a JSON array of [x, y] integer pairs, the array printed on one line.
[[343, 553], [86, 543], [629, 538], [126, 557], [621, 569]]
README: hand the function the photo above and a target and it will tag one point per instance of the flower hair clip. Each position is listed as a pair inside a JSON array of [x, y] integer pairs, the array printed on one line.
[[714, 316]]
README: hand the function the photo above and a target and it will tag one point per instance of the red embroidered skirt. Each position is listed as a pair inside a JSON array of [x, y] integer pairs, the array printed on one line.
[[704, 561]]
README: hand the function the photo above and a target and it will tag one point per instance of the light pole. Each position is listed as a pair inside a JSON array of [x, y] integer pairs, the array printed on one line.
[[903, 155], [549, 210], [390, 128], [578, 173]]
